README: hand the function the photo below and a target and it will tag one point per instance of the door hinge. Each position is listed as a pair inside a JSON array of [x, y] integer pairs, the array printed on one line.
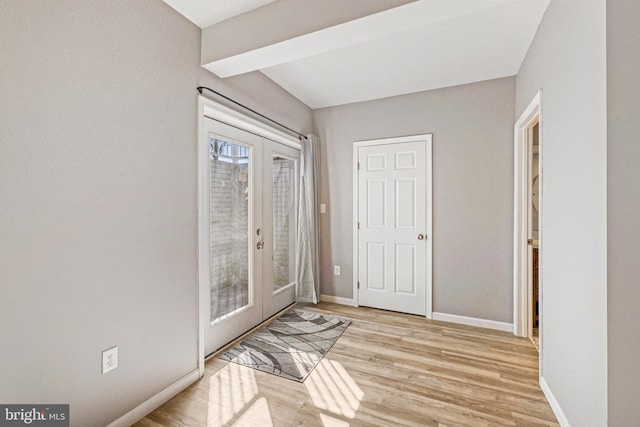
[[358, 165], [358, 225], [358, 285]]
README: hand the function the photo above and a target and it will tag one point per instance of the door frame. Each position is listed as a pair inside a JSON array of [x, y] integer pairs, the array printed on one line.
[[521, 293], [216, 111], [428, 138]]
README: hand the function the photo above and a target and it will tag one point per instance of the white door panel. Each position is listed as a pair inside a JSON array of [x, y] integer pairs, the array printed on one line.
[[406, 268], [375, 278], [376, 203], [405, 203], [392, 209]]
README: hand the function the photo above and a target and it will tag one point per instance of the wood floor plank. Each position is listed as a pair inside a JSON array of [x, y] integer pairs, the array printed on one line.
[[387, 369]]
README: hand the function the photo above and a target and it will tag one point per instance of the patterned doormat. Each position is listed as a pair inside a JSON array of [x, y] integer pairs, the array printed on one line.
[[290, 346]]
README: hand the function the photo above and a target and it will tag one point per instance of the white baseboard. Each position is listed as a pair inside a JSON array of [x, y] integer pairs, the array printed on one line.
[[154, 402], [555, 406], [336, 300], [473, 321]]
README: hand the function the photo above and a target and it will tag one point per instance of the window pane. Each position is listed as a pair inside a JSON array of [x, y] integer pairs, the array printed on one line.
[[283, 222], [229, 232]]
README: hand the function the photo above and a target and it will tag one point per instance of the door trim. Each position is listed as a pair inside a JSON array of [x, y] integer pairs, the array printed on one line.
[[521, 312], [216, 111], [428, 138]]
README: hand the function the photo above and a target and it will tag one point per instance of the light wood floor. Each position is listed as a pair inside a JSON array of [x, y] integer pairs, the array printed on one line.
[[387, 369], [535, 338]]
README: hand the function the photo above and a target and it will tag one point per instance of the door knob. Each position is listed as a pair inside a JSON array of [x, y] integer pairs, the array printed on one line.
[[260, 245], [420, 236]]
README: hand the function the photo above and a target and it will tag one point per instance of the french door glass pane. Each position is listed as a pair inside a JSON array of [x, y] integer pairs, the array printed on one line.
[[229, 233], [283, 221]]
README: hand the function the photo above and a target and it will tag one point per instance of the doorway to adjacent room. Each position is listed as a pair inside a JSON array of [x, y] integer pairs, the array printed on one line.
[[527, 224]]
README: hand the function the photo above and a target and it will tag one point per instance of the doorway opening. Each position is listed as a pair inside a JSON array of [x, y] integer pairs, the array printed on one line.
[[528, 204], [534, 239]]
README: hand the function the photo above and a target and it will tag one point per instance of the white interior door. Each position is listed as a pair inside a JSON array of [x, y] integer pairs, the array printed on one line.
[[393, 245], [248, 201]]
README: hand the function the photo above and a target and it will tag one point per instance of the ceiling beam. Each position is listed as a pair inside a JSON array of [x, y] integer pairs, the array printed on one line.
[[284, 30], [267, 37]]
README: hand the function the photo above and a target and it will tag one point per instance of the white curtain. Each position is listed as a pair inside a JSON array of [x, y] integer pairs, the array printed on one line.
[[308, 264]]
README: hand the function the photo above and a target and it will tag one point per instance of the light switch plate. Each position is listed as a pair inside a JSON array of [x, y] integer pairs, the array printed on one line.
[[323, 208], [336, 270]]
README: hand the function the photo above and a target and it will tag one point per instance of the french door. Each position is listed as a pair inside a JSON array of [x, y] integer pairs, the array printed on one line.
[[247, 238]]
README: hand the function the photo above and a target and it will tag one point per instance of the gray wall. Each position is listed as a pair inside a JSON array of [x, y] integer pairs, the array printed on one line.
[[567, 61], [98, 188], [472, 127], [623, 210]]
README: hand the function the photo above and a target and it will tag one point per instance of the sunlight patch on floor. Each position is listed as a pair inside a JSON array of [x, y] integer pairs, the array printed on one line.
[[302, 359], [328, 421], [257, 414], [231, 389], [332, 388]]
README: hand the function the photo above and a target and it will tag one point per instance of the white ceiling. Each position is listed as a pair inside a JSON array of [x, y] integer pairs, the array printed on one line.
[[427, 44]]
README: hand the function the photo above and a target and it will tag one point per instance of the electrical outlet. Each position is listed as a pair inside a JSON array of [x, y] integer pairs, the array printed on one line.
[[109, 359], [336, 270], [323, 208]]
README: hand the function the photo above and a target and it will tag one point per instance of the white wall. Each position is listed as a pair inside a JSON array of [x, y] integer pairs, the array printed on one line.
[[472, 128], [98, 187], [623, 210], [567, 61]]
